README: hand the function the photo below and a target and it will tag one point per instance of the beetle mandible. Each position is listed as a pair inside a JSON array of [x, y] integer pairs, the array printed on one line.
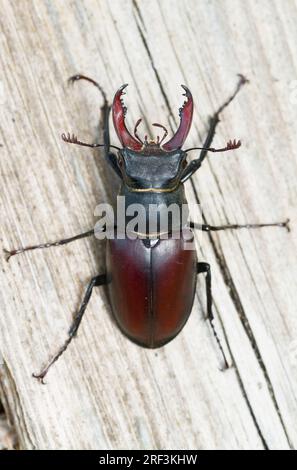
[[151, 279]]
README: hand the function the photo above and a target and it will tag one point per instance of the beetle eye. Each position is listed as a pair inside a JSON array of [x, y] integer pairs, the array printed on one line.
[[184, 164]]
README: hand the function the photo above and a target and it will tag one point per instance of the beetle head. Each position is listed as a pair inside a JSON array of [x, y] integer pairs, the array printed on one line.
[[156, 173], [148, 165], [147, 147]]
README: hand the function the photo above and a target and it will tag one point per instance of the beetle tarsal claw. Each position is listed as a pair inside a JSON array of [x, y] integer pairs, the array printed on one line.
[[243, 79], [286, 224], [73, 79], [8, 254], [40, 378]]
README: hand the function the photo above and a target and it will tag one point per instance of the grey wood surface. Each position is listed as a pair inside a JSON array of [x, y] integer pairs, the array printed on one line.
[[105, 392], [8, 439]]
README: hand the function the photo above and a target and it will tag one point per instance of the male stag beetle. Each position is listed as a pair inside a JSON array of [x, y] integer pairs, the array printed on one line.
[[151, 279]]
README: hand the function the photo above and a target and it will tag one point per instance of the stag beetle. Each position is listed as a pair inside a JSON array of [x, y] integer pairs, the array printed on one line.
[[151, 280]]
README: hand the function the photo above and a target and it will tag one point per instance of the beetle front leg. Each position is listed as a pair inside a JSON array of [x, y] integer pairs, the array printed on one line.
[[205, 268], [95, 281], [105, 109], [213, 122]]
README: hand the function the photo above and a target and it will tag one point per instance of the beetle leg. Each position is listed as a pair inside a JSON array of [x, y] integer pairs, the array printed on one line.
[[213, 122], [205, 268], [64, 241], [215, 228], [77, 77], [95, 281], [105, 109]]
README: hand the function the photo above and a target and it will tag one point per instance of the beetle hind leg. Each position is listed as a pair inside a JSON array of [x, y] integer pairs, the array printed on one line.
[[205, 268], [95, 281]]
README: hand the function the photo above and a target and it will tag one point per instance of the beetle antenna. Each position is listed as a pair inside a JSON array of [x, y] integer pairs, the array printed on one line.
[[135, 131], [231, 145], [165, 132], [72, 139]]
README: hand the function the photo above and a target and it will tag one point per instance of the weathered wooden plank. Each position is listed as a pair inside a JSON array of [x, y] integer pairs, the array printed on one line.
[[105, 391], [7, 436]]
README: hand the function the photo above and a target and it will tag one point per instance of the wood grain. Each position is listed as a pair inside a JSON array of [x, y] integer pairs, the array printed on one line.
[[7, 436], [106, 392]]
